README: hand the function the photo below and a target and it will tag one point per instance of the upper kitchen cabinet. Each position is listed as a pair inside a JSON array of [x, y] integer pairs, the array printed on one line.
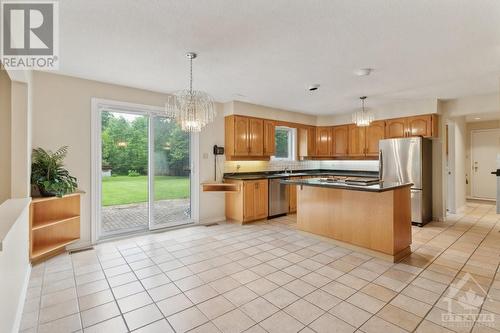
[[306, 142], [395, 128], [374, 133], [323, 141], [357, 141], [244, 138], [269, 138], [425, 125], [340, 137]]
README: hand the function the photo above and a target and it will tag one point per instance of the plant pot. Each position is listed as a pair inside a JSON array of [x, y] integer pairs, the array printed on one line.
[[44, 193]]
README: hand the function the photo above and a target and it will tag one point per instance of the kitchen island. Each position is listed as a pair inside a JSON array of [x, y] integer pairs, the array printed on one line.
[[374, 218]]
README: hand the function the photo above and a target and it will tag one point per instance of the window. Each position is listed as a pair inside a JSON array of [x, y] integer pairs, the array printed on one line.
[[285, 143]]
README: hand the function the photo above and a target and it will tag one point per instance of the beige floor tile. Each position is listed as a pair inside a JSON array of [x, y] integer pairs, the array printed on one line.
[[304, 311], [379, 292], [259, 309], [92, 300], [377, 325], [127, 289], [155, 281], [411, 305], [351, 314], [328, 323], [352, 281], [59, 297], [281, 297], [280, 278], [163, 291], [245, 276], [366, 302], [142, 316], [121, 279], [339, 290], [296, 271], [240, 295], [322, 299], [160, 326], [115, 325], [67, 324], [174, 304], [234, 321], [427, 326], [399, 317], [281, 322], [316, 279], [299, 287], [421, 294], [57, 311], [262, 286], [215, 307], [133, 302], [263, 269], [225, 284], [187, 319], [99, 313], [201, 293]]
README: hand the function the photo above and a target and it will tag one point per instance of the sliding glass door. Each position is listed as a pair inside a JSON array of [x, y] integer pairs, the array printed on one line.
[[145, 177], [171, 201]]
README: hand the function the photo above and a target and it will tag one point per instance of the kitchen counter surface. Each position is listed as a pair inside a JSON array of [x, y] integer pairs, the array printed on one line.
[[299, 173], [381, 187]]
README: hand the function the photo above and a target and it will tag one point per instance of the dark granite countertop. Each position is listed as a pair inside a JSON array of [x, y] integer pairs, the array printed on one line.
[[380, 187], [298, 173]]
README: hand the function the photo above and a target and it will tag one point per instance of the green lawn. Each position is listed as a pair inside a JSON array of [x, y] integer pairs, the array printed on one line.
[[124, 189]]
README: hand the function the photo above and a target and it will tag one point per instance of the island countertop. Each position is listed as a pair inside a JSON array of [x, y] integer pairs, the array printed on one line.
[[380, 187]]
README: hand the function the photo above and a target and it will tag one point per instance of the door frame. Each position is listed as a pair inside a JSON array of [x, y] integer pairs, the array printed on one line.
[[471, 165], [97, 105]]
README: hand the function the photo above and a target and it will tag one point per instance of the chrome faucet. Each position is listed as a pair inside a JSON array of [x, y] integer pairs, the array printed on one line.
[[287, 170]]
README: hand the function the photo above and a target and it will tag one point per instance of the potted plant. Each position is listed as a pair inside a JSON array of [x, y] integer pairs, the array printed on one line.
[[48, 174]]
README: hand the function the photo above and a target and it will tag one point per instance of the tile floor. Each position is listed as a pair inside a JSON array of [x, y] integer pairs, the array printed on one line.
[[268, 277]]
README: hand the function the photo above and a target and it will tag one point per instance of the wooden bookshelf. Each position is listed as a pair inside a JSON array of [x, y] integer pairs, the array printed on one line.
[[54, 223]]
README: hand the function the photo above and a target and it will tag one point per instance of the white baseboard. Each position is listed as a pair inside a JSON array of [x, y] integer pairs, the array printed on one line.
[[22, 298]]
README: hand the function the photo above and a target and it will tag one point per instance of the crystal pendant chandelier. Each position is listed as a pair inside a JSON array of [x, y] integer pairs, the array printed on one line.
[[362, 117], [192, 109]]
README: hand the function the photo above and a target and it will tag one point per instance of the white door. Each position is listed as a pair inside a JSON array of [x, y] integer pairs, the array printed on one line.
[[485, 145]]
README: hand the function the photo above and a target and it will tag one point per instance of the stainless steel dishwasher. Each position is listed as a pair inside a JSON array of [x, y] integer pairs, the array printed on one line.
[[278, 198]]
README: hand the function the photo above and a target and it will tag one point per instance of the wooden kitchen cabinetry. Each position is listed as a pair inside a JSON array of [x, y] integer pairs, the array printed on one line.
[[250, 202], [245, 138], [340, 138], [357, 141], [269, 138], [425, 125], [306, 142], [363, 141], [323, 141]]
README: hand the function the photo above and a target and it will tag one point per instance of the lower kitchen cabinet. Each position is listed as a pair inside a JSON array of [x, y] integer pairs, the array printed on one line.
[[250, 202], [292, 198]]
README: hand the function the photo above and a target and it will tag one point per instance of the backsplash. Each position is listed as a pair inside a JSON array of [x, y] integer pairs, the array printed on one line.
[[260, 166]]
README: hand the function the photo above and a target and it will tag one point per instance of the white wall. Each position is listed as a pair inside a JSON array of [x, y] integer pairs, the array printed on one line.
[[460, 169], [14, 264], [5, 136], [487, 103], [62, 116]]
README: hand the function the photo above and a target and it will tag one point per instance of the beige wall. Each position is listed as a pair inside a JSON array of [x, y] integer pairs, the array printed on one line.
[[5, 133], [261, 111], [62, 116], [20, 140], [492, 124], [460, 169], [395, 110]]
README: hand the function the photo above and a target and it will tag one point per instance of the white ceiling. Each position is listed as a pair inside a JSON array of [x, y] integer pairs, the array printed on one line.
[[268, 51]]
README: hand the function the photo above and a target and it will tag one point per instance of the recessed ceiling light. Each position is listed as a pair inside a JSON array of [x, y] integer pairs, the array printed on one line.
[[313, 87], [477, 118], [363, 71]]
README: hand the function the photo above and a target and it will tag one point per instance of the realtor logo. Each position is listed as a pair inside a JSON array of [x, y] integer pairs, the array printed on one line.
[[30, 31]]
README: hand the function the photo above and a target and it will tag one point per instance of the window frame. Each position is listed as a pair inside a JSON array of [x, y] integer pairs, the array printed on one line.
[[292, 144]]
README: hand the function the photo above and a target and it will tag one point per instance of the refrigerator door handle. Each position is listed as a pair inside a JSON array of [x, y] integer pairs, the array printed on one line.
[[380, 165]]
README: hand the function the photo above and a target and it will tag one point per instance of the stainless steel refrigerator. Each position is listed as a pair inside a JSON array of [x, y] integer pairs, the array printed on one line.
[[410, 160]]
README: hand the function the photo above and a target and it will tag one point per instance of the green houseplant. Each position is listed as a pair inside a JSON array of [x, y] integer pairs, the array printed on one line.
[[48, 174]]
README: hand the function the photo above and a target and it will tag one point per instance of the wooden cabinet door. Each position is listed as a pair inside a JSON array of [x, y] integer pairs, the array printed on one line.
[[249, 200], [292, 196], [340, 138], [269, 139], [419, 126], [395, 128], [256, 137], [311, 141], [356, 140], [374, 133], [241, 144], [261, 198], [323, 141]]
